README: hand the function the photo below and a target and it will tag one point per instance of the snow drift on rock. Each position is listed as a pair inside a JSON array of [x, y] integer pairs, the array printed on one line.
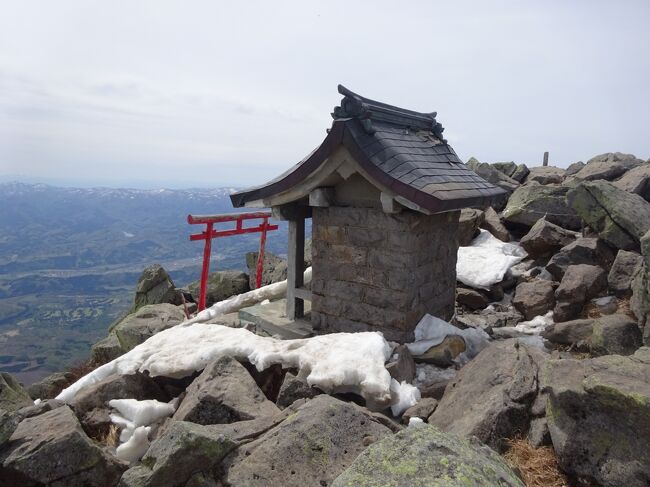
[[339, 362], [486, 260], [404, 396], [431, 331]]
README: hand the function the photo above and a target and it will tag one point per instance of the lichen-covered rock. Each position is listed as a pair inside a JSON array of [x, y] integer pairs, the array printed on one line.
[[422, 456], [106, 349], [620, 275], [52, 449], [521, 173], [468, 224], [224, 393], [492, 395], [311, 447], [534, 298], [615, 334], [546, 175], [222, 285], [574, 333], [574, 168], [545, 237], [507, 168], [531, 202], [492, 175], [154, 287], [580, 283], [636, 180], [146, 322], [598, 415], [619, 217], [12, 395], [607, 166], [587, 250], [8, 424], [50, 386]]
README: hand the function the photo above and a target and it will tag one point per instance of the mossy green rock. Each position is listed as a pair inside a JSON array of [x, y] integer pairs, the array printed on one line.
[[422, 455], [12, 395], [533, 201], [598, 414], [222, 285]]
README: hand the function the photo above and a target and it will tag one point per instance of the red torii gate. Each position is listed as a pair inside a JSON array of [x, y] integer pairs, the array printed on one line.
[[210, 232]]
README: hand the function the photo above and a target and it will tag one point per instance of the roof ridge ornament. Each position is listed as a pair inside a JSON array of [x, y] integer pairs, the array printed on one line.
[[367, 111]]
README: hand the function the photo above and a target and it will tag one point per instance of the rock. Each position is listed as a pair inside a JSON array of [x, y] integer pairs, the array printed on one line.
[[491, 396], [545, 237], [106, 350], [598, 417], [636, 180], [146, 322], [422, 409], [620, 275], [224, 393], [12, 395], [606, 305], [8, 424], [468, 225], [311, 447], [531, 202], [40, 408], [275, 268], [582, 251], [580, 283], [90, 404], [52, 449], [422, 455], [154, 287], [402, 369], [574, 168], [181, 451], [574, 332], [488, 319], [607, 166], [534, 298], [492, 175], [521, 173], [507, 168], [222, 285], [619, 217], [615, 334], [492, 223], [471, 298], [640, 300], [539, 435], [50, 386], [294, 388], [546, 175], [444, 353]]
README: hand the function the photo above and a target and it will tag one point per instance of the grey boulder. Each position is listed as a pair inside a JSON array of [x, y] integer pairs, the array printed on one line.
[[622, 272], [607, 166], [294, 388], [154, 287], [146, 322], [534, 298], [546, 175], [12, 395], [585, 250], [637, 181], [492, 223], [469, 222], [615, 334], [580, 283], [546, 237], [531, 202], [50, 386], [222, 285]]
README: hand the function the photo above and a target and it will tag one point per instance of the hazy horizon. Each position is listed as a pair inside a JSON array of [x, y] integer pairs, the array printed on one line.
[[155, 94]]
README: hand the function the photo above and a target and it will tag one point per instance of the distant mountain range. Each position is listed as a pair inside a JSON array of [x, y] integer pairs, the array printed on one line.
[[70, 258]]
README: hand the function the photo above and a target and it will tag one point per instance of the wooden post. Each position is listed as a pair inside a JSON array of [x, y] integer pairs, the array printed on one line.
[[545, 163], [296, 267]]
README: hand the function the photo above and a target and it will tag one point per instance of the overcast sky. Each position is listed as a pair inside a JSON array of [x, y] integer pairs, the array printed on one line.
[[209, 93]]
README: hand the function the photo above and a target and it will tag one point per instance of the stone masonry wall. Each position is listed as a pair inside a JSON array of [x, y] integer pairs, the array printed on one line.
[[378, 271]]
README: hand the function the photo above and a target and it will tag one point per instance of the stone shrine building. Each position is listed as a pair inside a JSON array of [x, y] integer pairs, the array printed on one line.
[[384, 190]]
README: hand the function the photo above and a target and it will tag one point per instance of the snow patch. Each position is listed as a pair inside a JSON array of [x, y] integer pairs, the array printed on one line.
[[486, 260], [414, 421], [404, 395], [135, 448]]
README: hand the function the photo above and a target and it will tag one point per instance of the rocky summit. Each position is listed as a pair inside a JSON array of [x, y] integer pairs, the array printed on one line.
[[548, 347]]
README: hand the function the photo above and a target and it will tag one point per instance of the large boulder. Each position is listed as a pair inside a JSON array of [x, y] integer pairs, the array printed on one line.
[[222, 285], [12, 395], [492, 223], [607, 166], [491, 397], [622, 272], [52, 449], [106, 350], [154, 287], [534, 298], [619, 217], [422, 455], [224, 393], [546, 237], [573, 333], [574, 168], [402, 367], [8, 424], [471, 298], [521, 173], [637, 181], [492, 175], [275, 268], [546, 175], [311, 447], [585, 250], [145, 323], [580, 283], [507, 168], [50, 386], [294, 388], [640, 300], [598, 414], [615, 334], [531, 202], [468, 225]]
